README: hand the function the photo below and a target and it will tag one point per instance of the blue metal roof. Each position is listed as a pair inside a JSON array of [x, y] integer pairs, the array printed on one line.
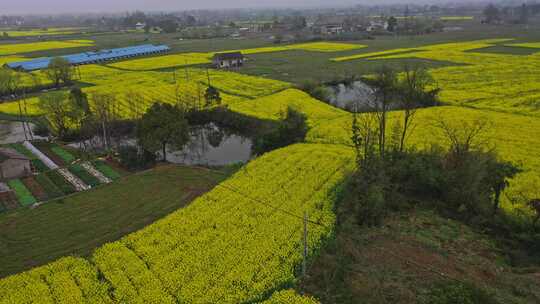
[[91, 57]]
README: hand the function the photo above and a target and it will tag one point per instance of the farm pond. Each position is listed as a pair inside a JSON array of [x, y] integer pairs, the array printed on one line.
[[345, 96], [209, 145], [214, 146]]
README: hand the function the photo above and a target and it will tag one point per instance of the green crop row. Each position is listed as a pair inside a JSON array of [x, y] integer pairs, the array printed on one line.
[[52, 190], [106, 170], [84, 175], [65, 155], [24, 196], [59, 180]]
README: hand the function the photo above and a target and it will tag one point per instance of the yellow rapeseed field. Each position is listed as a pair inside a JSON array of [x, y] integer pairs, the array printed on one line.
[[186, 59], [227, 247], [20, 48]]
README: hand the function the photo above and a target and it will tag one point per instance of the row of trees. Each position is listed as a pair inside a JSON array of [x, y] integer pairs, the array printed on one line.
[[520, 14], [59, 73], [75, 115]]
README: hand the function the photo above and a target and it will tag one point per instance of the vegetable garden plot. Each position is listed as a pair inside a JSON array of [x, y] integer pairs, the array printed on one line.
[[83, 174], [60, 181], [106, 170], [35, 188], [52, 190], [24, 196], [39, 166], [62, 153], [46, 149], [97, 174], [74, 180]]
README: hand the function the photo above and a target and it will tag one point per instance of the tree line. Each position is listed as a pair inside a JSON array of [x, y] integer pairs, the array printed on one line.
[[59, 73]]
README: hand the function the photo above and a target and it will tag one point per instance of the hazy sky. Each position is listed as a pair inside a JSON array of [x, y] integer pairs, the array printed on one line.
[[59, 6]]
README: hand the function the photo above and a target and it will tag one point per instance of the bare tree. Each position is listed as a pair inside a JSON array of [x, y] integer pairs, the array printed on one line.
[[463, 136], [384, 85], [413, 94], [103, 105], [365, 129]]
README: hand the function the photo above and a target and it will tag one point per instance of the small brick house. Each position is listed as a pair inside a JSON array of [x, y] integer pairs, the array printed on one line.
[[13, 164]]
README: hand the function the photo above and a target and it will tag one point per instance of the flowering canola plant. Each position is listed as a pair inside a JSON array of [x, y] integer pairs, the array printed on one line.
[[225, 247]]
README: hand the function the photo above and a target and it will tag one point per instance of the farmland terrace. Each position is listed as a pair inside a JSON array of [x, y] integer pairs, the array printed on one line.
[[241, 242]]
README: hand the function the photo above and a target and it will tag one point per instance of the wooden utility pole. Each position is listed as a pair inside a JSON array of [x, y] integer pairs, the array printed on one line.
[[305, 253], [27, 123], [208, 77], [22, 120]]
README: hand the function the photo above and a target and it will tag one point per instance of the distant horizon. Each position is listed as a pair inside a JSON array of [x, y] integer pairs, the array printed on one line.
[[58, 7]]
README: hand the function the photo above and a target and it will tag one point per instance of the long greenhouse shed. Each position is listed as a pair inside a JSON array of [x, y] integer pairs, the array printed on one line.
[[91, 57]]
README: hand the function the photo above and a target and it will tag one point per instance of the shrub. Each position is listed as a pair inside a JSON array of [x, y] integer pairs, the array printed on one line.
[[456, 292], [316, 90], [292, 129], [41, 129], [131, 158]]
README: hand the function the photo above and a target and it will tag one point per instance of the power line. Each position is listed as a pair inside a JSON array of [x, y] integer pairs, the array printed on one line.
[[289, 213]]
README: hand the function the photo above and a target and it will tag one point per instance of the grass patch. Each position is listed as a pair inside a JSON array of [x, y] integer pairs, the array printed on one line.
[[77, 224]]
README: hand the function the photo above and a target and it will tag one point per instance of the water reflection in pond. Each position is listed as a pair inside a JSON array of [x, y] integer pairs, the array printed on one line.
[[346, 96], [211, 145], [208, 145]]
